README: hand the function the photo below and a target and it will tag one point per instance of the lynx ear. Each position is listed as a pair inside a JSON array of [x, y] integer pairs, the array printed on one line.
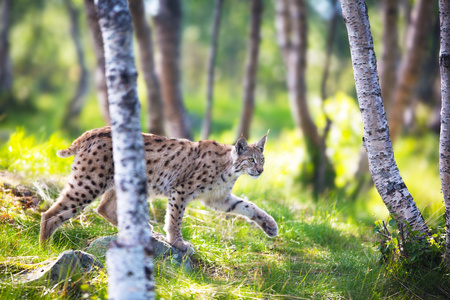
[[262, 142], [241, 145]]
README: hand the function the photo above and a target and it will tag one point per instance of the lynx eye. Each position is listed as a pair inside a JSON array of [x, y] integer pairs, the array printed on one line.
[[262, 160], [251, 159]]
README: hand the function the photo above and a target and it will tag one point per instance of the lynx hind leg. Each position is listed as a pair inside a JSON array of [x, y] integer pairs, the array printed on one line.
[[108, 207], [69, 203], [235, 205]]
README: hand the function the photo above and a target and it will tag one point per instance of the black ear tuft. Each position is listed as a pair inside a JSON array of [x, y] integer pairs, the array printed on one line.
[[241, 145], [262, 142]]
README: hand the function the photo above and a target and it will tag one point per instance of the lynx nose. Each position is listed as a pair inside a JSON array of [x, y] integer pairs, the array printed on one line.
[[259, 171]]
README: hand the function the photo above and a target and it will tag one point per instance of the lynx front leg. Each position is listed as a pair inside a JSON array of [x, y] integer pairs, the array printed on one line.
[[174, 216], [235, 205]]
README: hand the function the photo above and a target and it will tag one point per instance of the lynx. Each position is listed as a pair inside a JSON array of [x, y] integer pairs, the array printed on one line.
[[178, 169]]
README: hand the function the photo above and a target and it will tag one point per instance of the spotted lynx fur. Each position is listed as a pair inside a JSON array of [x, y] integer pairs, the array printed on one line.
[[178, 169]]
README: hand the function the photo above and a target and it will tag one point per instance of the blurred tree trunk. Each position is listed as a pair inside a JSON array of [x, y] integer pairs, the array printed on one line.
[[168, 34], [5, 59], [322, 168], [406, 7], [100, 80], [291, 28], [129, 259], [411, 64], [292, 38], [210, 80], [429, 87], [257, 7], [73, 111], [444, 145], [155, 116], [329, 50], [376, 139], [389, 57]]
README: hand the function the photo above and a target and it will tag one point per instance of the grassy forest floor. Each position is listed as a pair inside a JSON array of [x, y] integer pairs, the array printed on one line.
[[325, 249]]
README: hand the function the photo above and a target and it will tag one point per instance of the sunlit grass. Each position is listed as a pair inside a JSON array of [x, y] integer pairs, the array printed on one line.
[[323, 250], [234, 259], [32, 156]]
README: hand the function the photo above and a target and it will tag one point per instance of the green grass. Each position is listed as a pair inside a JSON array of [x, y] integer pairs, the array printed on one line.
[[310, 257], [33, 156], [323, 250]]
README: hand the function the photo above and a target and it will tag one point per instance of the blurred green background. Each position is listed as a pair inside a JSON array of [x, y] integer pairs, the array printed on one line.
[[45, 75], [326, 247]]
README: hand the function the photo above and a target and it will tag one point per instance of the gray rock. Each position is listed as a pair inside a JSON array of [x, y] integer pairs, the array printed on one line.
[[99, 246], [161, 248], [69, 264]]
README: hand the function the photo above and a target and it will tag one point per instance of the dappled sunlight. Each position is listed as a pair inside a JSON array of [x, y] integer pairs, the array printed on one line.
[[283, 158], [317, 254], [291, 73], [315, 239], [345, 136], [32, 156]]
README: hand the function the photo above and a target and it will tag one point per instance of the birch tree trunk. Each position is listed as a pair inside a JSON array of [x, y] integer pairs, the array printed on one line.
[[257, 7], [444, 145], [155, 112], [97, 41], [376, 139], [388, 78], [389, 57], [129, 259], [168, 34], [206, 129], [76, 103], [411, 63]]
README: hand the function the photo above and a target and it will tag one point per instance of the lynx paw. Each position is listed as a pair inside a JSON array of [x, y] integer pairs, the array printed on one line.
[[268, 224], [182, 245]]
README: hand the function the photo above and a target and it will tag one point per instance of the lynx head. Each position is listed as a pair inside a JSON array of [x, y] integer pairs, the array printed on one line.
[[250, 158]]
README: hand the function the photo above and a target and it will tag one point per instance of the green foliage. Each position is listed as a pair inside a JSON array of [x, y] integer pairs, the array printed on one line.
[[413, 260], [32, 156], [233, 259], [418, 161], [344, 138], [323, 249]]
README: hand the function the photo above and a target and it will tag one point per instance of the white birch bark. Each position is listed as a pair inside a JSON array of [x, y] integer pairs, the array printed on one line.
[[376, 139], [444, 145], [129, 259]]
